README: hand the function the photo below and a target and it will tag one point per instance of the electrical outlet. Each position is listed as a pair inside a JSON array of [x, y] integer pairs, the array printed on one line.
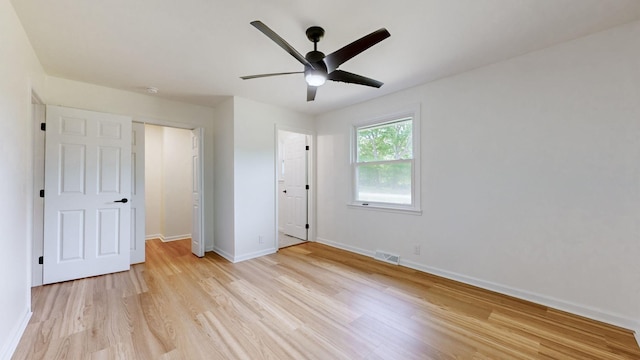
[[260, 239], [416, 249]]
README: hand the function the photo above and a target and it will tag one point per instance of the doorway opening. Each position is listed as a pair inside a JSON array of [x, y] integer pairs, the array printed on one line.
[[167, 183], [173, 185], [293, 188]]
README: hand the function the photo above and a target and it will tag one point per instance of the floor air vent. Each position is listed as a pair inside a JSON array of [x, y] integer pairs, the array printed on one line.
[[386, 257]]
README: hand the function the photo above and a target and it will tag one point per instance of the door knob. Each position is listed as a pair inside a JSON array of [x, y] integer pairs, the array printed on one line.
[[285, 191], [124, 200]]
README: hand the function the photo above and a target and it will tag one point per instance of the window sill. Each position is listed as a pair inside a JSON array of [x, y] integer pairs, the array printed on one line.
[[391, 209]]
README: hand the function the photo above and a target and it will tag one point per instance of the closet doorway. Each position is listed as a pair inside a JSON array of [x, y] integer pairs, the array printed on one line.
[[172, 185]]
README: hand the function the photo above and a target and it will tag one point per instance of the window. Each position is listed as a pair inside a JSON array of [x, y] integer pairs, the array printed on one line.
[[385, 170]]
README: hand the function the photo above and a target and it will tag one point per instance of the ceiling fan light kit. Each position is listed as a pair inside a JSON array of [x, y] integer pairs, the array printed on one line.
[[319, 68], [314, 77]]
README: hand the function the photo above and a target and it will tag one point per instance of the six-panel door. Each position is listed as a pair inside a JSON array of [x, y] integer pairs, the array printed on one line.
[[87, 179]]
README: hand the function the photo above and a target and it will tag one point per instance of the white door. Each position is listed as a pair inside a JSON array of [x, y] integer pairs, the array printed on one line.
[[87, 188], [137, 194], [295, 185], [197, 230]]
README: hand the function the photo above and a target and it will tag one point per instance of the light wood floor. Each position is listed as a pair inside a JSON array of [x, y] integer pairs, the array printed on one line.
[[286, 240], [307, 301]]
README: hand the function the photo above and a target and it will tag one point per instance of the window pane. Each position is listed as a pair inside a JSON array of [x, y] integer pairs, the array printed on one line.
[[386, 183], [391, 141]]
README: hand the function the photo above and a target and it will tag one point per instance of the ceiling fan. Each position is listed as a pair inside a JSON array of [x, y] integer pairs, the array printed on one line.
[[317, 67]]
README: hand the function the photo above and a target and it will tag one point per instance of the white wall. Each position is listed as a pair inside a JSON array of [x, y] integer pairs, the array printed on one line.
[[254, 150], [177, 188], [255, 158], [140, 106], [20, 71], [249, 174], [143, 108], [224, 189], [168, 183], [530, 178], [153, 181]]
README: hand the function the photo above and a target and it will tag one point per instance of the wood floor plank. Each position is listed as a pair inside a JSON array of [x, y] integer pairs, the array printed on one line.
[[308, 301]]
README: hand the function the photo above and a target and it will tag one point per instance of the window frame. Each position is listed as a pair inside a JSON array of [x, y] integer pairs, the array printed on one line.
[[412, 112]]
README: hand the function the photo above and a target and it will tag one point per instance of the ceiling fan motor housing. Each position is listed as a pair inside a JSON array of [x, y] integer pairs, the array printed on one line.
[[315, 58], [315, 33]]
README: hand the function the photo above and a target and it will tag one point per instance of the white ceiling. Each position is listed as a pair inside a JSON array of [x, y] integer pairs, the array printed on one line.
[[196, 50]]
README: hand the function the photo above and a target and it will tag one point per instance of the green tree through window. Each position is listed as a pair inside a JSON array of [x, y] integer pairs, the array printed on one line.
[[384, 161]]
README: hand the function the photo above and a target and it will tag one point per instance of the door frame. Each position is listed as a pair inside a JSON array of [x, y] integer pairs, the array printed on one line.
[[138, 208], [36, 275], [203, 197], [36, 248], [311, 178], [198, 180]]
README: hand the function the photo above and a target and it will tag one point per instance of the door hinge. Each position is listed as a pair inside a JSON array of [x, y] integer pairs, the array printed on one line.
[[41, 193], [43, 126], [307, 186], [41, 260], [306, 147], [306, 226]]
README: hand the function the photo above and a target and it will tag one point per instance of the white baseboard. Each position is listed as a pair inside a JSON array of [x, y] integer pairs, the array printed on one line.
[[223, 253], [8, 348], [254, 255], [345, 247], [175, 237], [558, 304], [578, 309], [167, 238]]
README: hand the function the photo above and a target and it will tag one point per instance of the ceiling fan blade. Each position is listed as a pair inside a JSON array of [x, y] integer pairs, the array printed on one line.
[[267, 75], [347, 77], [281, 42], [347, 52], [311, 92]]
